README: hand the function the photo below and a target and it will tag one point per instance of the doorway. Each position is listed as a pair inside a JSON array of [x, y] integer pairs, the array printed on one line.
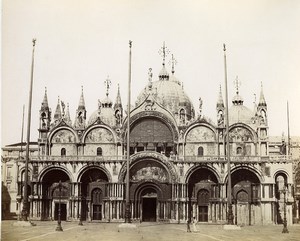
[[149, 209], [63, 211], [203, 214], [97, 212]]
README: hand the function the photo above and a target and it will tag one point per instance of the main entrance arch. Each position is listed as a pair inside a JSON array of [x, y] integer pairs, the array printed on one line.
[[93, 184]]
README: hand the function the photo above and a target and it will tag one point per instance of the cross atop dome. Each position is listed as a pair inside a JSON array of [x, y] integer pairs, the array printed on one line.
[[107, 84], [163, 52], [173, 61], [237, 84]]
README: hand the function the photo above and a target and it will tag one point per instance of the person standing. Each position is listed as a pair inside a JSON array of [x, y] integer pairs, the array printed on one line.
[[194, 225], [188, 226]]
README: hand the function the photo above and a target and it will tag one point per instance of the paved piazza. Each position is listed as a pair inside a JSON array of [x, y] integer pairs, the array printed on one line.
[[146, 231]]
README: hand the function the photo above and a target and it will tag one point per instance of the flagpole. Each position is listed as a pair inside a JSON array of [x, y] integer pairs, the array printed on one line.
[[24, 212], [22, 129], [229, 191], [288, 122], [127, 208]]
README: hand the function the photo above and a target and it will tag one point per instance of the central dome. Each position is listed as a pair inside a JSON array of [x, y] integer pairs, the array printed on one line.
[[169, 93]]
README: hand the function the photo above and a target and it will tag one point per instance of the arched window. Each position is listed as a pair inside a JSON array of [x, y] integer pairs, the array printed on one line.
[[99, 151], [200, 151], [239, 150], [63, 152], [182, 115]]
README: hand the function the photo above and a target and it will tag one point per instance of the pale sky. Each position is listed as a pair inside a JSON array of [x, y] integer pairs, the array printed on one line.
[[80, 43]]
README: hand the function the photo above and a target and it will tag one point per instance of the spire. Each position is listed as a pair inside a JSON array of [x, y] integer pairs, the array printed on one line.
[[45, 100], [57, 114], [262, 101], [80, 112], [67, 115], [118, 103], [220, 102], [81, 104]]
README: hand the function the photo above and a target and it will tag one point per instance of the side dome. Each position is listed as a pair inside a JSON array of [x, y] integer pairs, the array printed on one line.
[[170, 94], [240, 114], [106, 113]]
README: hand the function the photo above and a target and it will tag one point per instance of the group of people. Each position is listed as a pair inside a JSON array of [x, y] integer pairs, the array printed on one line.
[[193, 225]]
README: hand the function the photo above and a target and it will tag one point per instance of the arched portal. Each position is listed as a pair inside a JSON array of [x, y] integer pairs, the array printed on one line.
[[149, 203], [52, 194], [203, 195], [245, 193], [93, 185]]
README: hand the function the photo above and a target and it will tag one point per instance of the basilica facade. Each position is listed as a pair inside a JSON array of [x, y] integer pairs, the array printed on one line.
[[178, 167]]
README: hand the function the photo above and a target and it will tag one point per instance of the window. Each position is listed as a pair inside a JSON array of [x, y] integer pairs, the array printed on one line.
[[9, 176], [200, 151], [99, 151], [239, 150], [63, 152]]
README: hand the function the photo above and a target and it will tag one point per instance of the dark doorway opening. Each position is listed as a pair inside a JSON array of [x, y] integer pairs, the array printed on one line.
[[97, 213], [149, 210], [63, 211], [203, 213]]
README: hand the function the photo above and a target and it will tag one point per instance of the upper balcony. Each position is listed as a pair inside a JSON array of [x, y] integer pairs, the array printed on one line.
[[172, 158]]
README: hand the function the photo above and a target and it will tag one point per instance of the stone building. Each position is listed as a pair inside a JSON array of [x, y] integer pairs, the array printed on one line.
[[177, 164]]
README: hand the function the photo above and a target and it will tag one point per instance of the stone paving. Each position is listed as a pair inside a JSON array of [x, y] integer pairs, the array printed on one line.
[[45, 231]]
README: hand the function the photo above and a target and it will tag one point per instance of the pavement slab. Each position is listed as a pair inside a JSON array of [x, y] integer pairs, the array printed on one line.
[[45, 231]]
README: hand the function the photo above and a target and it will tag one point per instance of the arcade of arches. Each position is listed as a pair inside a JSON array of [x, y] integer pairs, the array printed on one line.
[[155, 195]]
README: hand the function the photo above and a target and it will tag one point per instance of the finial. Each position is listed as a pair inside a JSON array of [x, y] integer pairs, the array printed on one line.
[[237, 84], [200, 106], [45, 90], [224, 48], [118, 87], [107, 82], [58, 99], [254, 98], [82, 89], [150, 75], [261, 85], [163, 52], [173, 61], [33, 41], [130, 43], [220, 88]]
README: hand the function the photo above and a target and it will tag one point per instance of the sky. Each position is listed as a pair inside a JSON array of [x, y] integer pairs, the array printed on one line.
[[80, 43]]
